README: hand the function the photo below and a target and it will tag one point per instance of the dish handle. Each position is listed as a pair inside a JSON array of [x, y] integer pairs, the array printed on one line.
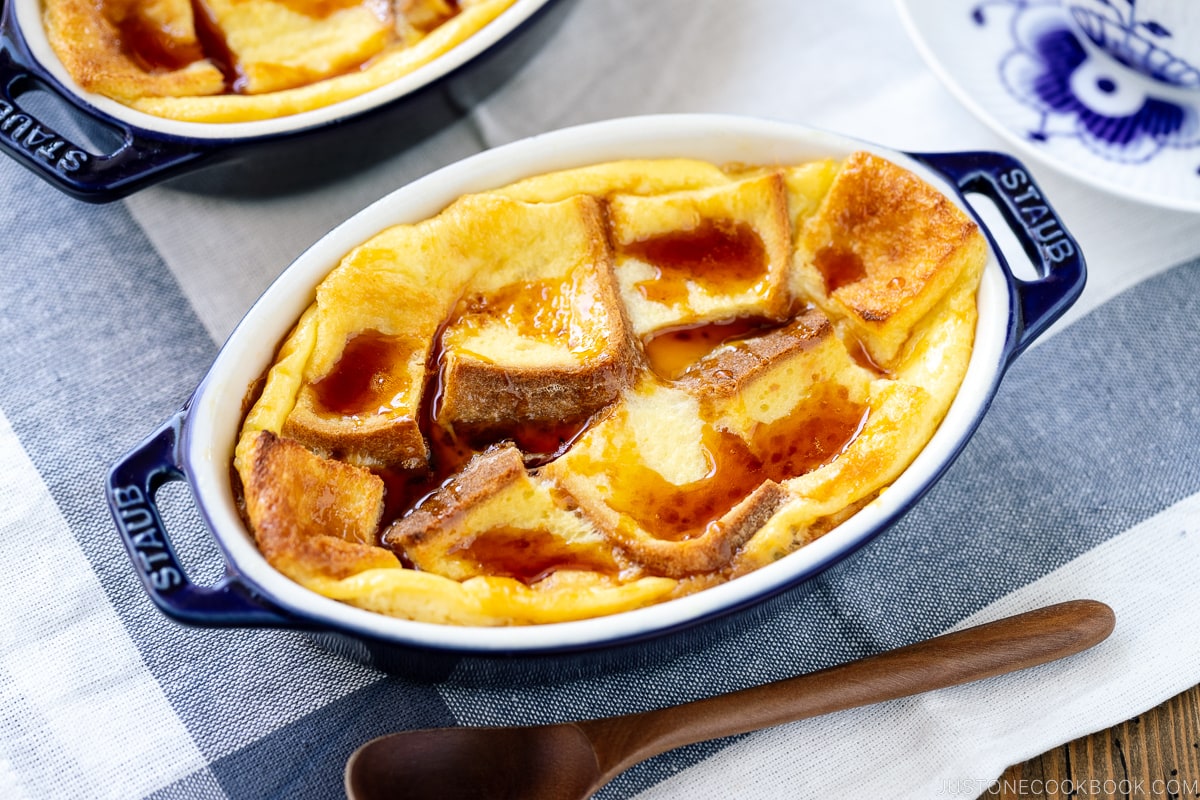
[[1055, 254], [140, 157], [130, 490]]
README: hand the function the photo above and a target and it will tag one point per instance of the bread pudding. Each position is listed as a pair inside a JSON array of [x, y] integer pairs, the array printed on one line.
[[604, 388], [245, 60]]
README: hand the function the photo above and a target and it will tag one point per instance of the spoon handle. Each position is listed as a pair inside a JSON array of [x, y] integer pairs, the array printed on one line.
[[994, 648]]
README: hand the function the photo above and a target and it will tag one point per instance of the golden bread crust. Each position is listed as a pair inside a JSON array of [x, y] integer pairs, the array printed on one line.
[[882, 250], [565, 310], [728, 371], [666, 276], [484, 476], [310, 514], [493, 518]]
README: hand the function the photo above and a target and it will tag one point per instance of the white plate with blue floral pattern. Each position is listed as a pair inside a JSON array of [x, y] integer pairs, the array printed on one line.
[[1027, 71]]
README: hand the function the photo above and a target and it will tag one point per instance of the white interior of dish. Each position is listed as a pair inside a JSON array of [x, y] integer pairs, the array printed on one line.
[[214, 418], [29, 20]]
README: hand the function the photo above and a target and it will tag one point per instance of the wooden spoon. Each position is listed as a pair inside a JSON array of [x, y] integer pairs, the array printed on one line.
[[573, 760]]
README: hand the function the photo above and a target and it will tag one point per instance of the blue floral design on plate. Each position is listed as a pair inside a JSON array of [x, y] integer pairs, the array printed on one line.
[[1079, 92], [1140, 43]]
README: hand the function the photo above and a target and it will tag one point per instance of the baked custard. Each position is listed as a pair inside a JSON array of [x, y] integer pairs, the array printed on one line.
[[245, 60], [604, 388]]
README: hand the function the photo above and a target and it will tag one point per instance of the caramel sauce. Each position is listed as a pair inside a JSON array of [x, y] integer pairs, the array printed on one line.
[[451, 448], [672, 351], [400, 489], [447, 455], [528, 555], [812, 435], [156, 48], [216, 48], [539, 443], [858, 352], [372, 369], [153, 47], [675, 513], [839, 267], [721, 256], [536, 309]]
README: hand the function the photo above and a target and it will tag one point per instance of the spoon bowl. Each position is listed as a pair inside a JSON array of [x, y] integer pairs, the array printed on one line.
[[568, 761], [555, 762]]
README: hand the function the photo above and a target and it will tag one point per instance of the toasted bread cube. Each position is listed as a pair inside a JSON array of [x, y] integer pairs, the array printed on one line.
[[539, 334], [677, 495], [882, 250], [312, 515], [806, 184], [794, 395], [365, 409], [492, 518], [375, 320], [761, 379], [903, 412], [278, 46], [381, 313], [703, 255], [681, 476]]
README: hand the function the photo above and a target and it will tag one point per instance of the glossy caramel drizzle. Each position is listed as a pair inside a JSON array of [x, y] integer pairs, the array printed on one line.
[[153, 47], [536, 309], [721, 256], [811, 436], [675, 513], [157, 48], [672, 351], [528, 555], [839, 267], [815, 433], [370, 372], [450, 448], [216, 47]]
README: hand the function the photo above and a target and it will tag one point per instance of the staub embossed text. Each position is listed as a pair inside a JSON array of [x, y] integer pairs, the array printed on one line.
[[1036, 216], [28, 133], [143, 530]]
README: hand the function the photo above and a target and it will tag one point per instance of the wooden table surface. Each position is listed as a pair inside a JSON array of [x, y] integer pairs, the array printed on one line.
[[1155, 756]]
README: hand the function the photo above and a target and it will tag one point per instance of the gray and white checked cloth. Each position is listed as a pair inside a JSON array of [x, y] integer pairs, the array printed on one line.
[[1082, 481]]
